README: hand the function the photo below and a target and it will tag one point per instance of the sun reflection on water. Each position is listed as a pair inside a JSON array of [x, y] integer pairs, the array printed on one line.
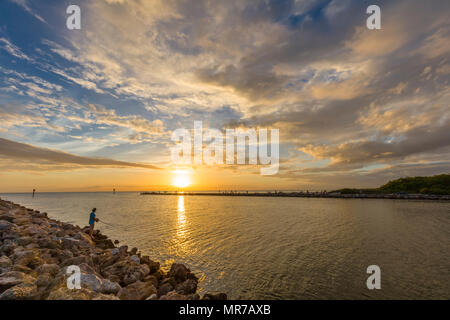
[[181, 225]]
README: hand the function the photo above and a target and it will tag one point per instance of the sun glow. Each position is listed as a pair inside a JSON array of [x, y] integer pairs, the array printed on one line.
[[181, 179]]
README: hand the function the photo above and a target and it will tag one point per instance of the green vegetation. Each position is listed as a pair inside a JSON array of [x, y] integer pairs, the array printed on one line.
[[436, 185]]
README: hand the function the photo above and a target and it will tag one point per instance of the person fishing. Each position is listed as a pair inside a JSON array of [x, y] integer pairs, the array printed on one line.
[[92, 220]]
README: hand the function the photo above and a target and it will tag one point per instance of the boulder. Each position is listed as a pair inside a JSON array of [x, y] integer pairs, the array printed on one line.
[[69, 243], [215, 296], [170, 280], [109, 287], [48, 243], [137, 291], [123, 250], [135, 273], [44, 280], [159, 274], [187, 287], [67, 226], [135, 259], [10, 279], [5, 262], [164, 289], [194, 296], [6, 225], [86, 268], [23, 269], [101, 296], [37, 214], [51, 269], [104, 243], [179, 272], [23, 241], [107, 261], [64, 293], [47, 257], [32, 245], [154, 266], [90, 281], [62, 255], [78, 261], [98, 236], [16, 285], [28, 258], [34, 230], [7, 216], [172, 295], [23, 291], [152, 279], [127, 271]]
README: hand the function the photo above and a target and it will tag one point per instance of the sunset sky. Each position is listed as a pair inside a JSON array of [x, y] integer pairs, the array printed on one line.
[[94, 109]]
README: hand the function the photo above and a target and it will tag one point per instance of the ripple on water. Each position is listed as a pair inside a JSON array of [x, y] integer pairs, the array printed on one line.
[[272, 248]]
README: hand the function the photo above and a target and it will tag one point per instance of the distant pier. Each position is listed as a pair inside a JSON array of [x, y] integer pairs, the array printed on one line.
[[302, 195]]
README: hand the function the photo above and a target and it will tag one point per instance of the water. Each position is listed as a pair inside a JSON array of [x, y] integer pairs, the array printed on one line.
[[272, 248]]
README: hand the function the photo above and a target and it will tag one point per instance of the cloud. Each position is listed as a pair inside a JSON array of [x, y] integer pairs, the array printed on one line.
[[436, 44], [109, 117], [351, 97], [21, 117], [25, 5], [13, 49], [415, 141], [11, 150], [342, 90]]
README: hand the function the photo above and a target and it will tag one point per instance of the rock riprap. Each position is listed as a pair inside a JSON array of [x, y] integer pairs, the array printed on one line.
[[36, 251]]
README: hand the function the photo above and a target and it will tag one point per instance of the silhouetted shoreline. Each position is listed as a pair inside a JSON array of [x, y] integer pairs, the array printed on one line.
[[282, 194]]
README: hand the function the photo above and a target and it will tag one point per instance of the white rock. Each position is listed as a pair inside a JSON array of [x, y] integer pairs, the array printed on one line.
[[91, 281], [135, 259]]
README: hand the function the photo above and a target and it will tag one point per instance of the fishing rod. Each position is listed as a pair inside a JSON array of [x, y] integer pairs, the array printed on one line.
[[109, 224]]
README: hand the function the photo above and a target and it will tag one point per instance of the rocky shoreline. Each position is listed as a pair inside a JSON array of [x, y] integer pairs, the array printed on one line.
[[36, 251]]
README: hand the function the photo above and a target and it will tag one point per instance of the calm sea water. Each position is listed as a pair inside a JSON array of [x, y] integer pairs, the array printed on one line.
[[272, 248]]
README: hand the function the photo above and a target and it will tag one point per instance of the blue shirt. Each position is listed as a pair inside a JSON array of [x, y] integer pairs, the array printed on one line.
[[92, 218]]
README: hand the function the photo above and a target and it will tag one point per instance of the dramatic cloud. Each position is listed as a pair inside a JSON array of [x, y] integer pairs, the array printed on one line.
[[415, 141], [351, 104], [35, 155]]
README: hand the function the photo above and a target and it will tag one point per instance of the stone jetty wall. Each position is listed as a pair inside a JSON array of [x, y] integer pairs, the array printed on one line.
[[36, 251], [331, 195]]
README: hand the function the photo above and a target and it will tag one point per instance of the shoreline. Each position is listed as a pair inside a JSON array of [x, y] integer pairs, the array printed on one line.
[[37, 251], [282, 194]]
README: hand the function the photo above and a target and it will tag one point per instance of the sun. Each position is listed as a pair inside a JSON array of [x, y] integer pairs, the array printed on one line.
[[181, 179]]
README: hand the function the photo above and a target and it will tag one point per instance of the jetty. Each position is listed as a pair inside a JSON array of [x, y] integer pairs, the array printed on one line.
[[302, 194]]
